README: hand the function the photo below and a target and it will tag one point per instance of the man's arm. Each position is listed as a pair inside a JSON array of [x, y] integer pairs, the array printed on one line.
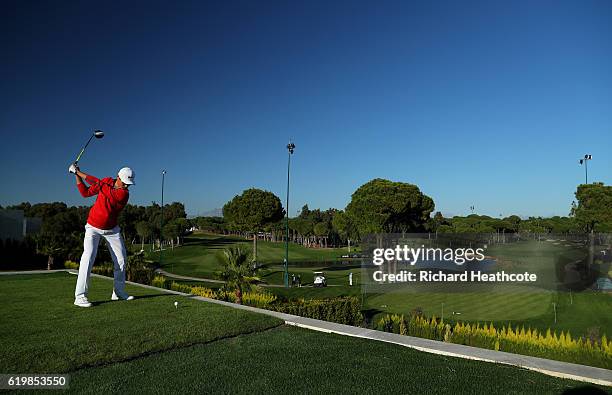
[[86, 191], [87, 177]]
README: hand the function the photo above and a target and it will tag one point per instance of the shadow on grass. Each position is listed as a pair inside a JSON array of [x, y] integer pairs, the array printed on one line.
[[214, 243], [98, 303]]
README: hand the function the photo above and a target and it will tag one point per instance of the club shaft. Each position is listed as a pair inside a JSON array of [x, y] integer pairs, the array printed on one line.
[[83, 150]]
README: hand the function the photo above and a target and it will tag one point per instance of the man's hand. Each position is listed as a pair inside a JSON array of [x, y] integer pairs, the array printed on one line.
[[73, 168]]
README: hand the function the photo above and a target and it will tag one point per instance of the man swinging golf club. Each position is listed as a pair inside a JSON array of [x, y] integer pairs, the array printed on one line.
[[112, 196]]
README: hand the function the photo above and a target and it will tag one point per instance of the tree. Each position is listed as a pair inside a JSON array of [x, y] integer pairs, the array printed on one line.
[[343, 225], [594, 209], [252, 211], [130, 216], [172, 230], [238, 272], [57, 236], [437, 221], [144, 230], [514, 221], [321, 230], [385, 206]]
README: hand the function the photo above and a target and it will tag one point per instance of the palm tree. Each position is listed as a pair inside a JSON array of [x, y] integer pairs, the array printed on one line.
[[238, 272]]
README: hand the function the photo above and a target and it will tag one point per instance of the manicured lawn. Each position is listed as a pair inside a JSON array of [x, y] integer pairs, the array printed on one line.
[[501, 304], [148, 346], [294, 360], [200, 256], [42, 331], [579, 312]]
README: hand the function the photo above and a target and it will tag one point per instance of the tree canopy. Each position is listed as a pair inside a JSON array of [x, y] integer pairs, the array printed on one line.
[[594, 209], [253, 210], [386, 206]]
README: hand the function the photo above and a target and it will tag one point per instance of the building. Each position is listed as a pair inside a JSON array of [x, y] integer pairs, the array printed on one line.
[[15, 225]]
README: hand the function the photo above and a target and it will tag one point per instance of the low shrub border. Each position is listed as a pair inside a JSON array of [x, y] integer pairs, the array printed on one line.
[[516, 340], [343, 310]]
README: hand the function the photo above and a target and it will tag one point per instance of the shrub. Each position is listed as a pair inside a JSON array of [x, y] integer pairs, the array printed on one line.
[[258, 299], [343, 310], [515, 340], [71, 265], [204, 292], [180, 287], [160, 282], [105, 269], [138, 271]]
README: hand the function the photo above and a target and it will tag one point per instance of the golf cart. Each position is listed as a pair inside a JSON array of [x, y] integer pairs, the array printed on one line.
[[319, 280]]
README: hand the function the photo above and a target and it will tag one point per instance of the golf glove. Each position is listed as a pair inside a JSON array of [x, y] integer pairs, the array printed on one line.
[[73, 168]]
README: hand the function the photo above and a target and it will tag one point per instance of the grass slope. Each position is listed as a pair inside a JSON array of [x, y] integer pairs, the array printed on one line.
[[146, 346], [200, 256], [43, 332], [294, 360]]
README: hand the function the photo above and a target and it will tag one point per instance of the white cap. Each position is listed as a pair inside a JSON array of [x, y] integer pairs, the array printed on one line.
[[126, 175]]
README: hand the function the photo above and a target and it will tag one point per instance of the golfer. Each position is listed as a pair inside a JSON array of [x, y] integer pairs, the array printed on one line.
[[112, 196]]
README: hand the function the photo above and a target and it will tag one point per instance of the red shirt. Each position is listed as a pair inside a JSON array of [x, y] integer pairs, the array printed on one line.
[[109, 203]]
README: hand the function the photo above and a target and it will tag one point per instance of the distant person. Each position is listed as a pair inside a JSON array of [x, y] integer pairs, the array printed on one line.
[[351, 278], [299, 280], [293, 280], [112, 196]]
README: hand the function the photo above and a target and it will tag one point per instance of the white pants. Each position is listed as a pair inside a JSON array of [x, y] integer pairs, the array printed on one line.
[[90, 249]]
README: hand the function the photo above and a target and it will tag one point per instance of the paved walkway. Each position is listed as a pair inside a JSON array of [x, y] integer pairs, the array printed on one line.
[[552, 368], [210, 280]]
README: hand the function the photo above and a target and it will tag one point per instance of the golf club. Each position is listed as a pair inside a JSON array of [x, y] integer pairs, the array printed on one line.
[[97, 134]]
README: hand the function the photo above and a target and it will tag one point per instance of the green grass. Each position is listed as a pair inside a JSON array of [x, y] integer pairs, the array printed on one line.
[[147, 346], [294, 360], [500, 304], [585, 312], [200, 256], [43, 332]]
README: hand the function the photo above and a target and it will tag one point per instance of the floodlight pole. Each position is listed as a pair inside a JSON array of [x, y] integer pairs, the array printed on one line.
[[161, 221], [290, 148], [584, 162]]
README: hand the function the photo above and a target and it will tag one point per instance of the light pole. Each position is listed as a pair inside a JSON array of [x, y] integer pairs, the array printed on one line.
[[161, 221], [290, 148], [584, 161]]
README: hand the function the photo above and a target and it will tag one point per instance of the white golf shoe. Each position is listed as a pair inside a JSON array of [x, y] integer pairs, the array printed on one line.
[[82, 301], [115, 297]]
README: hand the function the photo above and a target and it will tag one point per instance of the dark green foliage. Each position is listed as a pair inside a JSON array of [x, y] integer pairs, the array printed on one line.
[[63, 227], [252, 210], [343, 310], [138, 271], [238, 271], [211, 224], [383, 206], [594, 210]]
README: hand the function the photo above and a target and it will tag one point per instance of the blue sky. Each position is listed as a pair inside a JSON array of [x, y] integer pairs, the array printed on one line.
[[478, 103]]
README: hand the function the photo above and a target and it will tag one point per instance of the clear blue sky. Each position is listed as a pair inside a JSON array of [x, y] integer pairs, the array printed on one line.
[[478, 103]]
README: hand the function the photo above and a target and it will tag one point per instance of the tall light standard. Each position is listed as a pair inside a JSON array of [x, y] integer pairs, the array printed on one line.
[[161, 221], [290, 148], [584, 161]]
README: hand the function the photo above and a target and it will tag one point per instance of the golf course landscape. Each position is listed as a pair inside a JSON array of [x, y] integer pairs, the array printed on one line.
[[306, 197], [578, 312], [198, 346]]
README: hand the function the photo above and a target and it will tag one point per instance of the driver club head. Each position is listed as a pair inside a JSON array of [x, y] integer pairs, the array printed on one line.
[[99, 134]]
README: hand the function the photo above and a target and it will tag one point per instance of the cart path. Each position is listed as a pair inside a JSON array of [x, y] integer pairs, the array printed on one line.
[[210, 280]]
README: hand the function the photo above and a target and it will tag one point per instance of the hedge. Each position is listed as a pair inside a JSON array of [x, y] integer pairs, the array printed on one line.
[[517, 340]]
